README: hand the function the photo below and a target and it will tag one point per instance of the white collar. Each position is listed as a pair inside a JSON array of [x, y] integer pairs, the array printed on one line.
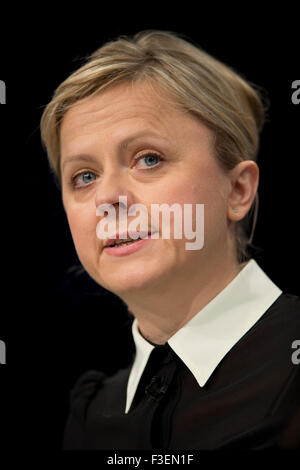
[[204, 341]]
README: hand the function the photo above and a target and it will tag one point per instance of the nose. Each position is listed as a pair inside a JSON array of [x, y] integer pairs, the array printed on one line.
[[111, 190]]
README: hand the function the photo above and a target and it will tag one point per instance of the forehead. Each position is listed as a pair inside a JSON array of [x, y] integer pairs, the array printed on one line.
[[116, 112], [124, 101]]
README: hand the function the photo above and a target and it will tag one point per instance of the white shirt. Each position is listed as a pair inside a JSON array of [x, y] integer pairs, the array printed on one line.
[[204, 340]]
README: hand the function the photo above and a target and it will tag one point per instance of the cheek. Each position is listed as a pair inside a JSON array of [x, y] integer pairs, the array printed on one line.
[[82, 223], [189, 192], [206, 188]]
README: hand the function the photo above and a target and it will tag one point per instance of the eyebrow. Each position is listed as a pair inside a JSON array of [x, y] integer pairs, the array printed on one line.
[[122, 146]]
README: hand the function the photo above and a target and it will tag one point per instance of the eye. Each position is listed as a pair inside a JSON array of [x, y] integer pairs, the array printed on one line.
[[151, 160], [82, 179]]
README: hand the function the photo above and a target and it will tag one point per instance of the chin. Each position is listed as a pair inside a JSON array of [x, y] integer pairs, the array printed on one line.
[[128, 281], [129, 284]]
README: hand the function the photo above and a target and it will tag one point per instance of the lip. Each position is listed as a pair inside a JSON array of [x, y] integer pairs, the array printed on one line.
[[125, 235], [127, 249]]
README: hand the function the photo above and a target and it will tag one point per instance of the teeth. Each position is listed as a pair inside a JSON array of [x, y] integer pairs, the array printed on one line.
[[124, 243]]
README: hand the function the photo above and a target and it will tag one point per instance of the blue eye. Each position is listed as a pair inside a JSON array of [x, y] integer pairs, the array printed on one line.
[[150, 159], [85, 177]]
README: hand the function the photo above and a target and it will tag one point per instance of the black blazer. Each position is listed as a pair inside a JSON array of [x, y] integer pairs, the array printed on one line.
[[251, 401]]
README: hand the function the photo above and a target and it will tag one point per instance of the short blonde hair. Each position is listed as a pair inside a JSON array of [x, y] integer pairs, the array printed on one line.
[[230, 106]]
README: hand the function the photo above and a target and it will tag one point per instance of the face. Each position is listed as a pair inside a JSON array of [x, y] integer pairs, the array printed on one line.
[[135, 142]]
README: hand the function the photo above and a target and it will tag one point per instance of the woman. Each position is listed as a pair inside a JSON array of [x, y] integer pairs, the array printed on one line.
[[156, 120]]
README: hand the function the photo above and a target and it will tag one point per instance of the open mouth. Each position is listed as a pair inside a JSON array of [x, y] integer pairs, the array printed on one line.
[[122, 247], [119, 243]]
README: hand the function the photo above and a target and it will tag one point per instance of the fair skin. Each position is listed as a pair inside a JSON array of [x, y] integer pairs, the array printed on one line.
[[163, 284]]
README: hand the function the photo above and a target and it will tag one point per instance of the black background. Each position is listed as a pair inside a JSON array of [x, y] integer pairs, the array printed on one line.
[[57, 324]]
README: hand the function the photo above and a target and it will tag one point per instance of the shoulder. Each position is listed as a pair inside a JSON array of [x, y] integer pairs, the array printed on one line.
[[83, 391], [285, 311], [94, 393], [96, 386], [288, 301], [271, 345], [81, 395]]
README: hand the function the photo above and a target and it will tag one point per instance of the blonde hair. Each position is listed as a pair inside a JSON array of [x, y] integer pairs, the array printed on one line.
[[229, 105]]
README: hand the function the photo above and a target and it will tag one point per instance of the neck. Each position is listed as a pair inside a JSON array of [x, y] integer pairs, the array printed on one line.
[[161, 314]]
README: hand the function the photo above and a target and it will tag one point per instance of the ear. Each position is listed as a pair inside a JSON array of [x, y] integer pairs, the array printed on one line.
[[244, 183]]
